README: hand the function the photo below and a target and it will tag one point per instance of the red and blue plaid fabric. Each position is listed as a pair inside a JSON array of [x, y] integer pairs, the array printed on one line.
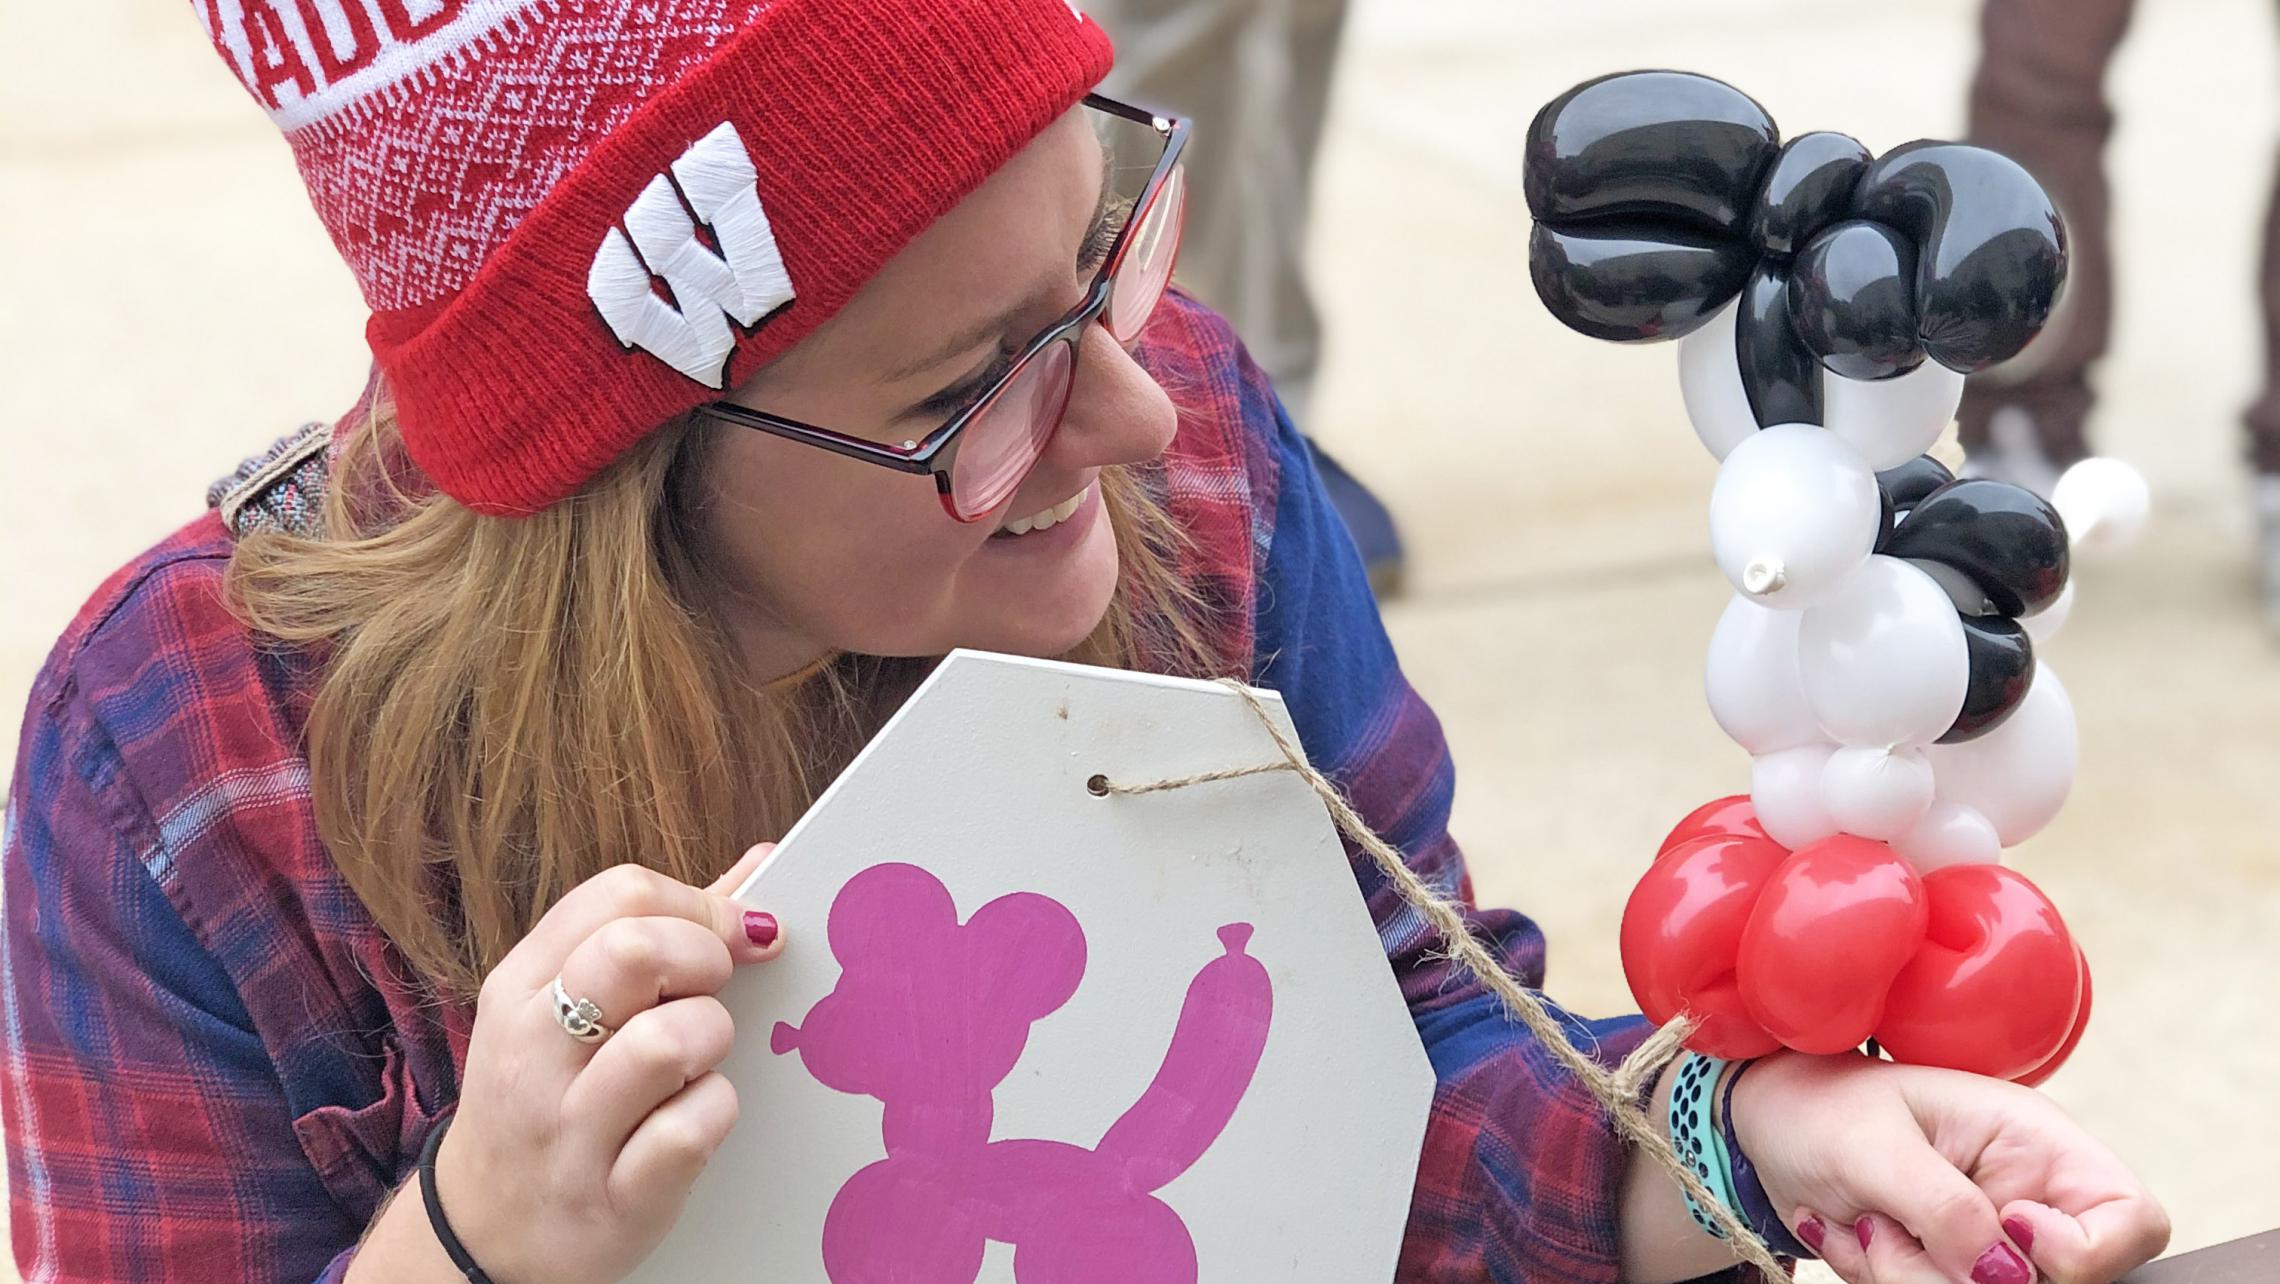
[[217, 1069]]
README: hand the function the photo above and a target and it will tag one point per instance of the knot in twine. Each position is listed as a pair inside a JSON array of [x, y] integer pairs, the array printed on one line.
[[1618, 1090]]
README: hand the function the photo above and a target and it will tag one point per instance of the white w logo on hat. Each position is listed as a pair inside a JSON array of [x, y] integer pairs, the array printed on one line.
[[746, 280]]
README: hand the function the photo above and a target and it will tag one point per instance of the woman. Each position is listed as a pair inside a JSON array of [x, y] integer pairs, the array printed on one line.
[[333, 818]]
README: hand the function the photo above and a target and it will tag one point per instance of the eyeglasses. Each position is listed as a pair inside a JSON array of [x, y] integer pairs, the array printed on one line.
[[983, 454]]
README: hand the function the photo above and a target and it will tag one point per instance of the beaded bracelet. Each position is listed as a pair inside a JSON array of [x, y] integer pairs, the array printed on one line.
[[1755, 1206]]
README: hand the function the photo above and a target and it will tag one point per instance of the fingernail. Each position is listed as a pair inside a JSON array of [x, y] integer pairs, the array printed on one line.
[[2000, 1264], [2021, 1231], [1811, 1232], [1864, 1230], [760, 928]]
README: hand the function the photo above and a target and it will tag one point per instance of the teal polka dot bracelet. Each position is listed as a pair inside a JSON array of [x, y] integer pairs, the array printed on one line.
[[1695, 1135]]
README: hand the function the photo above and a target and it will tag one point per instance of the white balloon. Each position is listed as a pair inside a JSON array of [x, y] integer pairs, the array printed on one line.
[[1794, 511], [2019, 774], [1950, 833], [1785, 792], [1751, 679], [1877, 793], [2044, 624], [1883, 658], [1710, 382], [1891, 421], [2105, 503]]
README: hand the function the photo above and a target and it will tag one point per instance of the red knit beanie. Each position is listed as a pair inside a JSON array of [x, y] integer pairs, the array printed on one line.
[[576, 219]]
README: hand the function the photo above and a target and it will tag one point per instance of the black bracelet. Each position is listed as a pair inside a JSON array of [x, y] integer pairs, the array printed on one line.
[[1756, 1206], [437, 1222]]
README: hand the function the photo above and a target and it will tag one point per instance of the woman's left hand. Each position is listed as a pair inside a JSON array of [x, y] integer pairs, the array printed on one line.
[[1918, 1174]]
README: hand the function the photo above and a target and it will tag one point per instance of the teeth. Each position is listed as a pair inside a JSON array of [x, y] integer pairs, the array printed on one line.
[[1048, 519]]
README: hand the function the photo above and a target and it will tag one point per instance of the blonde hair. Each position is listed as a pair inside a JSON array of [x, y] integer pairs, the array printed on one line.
[[504, 707]]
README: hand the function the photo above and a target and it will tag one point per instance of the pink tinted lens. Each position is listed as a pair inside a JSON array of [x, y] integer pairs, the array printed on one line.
[[1003, 442], [1147, 265]]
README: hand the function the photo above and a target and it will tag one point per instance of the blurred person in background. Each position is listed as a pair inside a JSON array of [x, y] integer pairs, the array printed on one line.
[[1255, 76], [2039, 97]]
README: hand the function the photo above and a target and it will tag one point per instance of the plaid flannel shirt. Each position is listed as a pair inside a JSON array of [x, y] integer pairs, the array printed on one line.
[[217, 1069]]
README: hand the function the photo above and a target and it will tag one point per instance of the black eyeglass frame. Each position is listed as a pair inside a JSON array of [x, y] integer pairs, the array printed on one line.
[[937, 452]]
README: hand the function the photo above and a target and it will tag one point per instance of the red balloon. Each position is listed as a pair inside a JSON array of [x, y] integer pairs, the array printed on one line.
[[1682, 929], [1732, 815], [1998, 985], [1841, 918], [2034, 1078]]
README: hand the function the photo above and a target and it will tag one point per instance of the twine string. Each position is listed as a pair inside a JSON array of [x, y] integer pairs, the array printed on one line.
[[1618, 1090]]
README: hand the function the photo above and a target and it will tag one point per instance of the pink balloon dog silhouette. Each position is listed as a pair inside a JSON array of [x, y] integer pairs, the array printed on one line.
[[929, 1016]]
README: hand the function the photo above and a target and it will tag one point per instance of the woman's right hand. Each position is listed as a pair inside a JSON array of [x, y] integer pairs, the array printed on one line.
[[569, 1161], [1905, 1174]]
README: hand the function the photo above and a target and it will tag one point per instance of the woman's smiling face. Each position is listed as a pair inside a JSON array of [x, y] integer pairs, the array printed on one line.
[[827, 553]]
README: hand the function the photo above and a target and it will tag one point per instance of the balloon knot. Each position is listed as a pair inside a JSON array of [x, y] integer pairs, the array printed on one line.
[[1764, 575]]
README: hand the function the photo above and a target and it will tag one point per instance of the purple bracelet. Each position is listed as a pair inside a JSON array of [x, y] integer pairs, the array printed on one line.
[[1757, 1206]]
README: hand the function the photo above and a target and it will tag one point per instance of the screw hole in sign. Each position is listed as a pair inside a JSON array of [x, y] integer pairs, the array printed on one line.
[[1097, 786]]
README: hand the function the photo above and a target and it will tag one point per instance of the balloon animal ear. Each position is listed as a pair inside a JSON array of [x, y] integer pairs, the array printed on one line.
[[1852, 300], [1641, 186], [890, 911], [1027, 954], [1990, 247]]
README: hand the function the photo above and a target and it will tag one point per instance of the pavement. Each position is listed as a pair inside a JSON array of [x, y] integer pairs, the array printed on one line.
[[168, 305]]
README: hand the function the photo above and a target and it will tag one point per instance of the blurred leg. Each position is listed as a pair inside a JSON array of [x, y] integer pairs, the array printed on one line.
[[1255, 76], [2264, 420], [2264, 414], [2039, 98]]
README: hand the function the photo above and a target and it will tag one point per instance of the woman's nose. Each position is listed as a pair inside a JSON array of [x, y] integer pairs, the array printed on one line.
[[1117, 412]]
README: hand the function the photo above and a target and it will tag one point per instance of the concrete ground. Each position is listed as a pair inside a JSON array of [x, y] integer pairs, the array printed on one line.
[[167, 304]]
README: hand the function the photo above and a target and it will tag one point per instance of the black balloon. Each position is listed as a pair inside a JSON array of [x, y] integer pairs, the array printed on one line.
[[2006, 539], [1628, 284], [1780, 378], [1661, 195], [1906, 486], [2002, 668], [1852, 300], [1809, 187], [1991, 248], [1666, 143]]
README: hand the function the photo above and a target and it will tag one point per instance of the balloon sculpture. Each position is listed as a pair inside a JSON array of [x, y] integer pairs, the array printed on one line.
[[1877, 660]]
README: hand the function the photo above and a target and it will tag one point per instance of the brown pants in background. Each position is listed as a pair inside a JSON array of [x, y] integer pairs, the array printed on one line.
[[1255, 76], [2039, 98]]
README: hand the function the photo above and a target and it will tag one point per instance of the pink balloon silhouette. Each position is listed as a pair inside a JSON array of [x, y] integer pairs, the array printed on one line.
[[930, 1016]]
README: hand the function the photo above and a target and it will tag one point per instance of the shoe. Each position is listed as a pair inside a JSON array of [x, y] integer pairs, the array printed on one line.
[[1368, 521], [2013, 453], [2264, 500]]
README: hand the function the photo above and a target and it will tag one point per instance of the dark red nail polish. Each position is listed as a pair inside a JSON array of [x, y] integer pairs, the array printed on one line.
[[1811, 1232], [1864, 1230], [2001, 1264], [760, 928], [2021, 1231]]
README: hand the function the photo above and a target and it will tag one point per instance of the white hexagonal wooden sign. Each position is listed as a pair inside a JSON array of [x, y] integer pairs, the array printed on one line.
[[1023, 1032]]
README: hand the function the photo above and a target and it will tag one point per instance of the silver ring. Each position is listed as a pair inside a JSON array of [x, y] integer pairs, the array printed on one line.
[[580, 1019]]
